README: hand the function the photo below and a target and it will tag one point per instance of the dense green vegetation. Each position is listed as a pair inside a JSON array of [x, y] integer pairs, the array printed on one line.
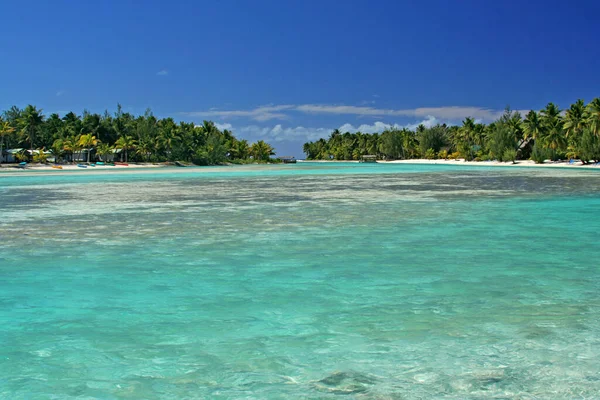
[[547, 134], [143, 138]]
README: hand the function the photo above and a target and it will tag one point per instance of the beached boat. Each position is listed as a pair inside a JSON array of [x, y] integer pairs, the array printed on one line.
[[22, 165], [180, 164], [99, 163], [82, 166], [57, 167], [122, 164]]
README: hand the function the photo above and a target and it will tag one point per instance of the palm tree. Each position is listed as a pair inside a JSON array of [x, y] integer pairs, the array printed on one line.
[[88, 142], [103, 150], [76, 146], [69, 146], [261, 150], [575, 119], [554, 136], [465, 137], [5, 130], [57, 149], [593, 116], [125, 143], [551, 112], [532, 125], [144, 149], [242, 149], [30, 123], [167, 136]]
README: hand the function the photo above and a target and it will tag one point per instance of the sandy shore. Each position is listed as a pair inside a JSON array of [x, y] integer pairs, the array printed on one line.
[[67, 167], [6, 169], [519, 163]]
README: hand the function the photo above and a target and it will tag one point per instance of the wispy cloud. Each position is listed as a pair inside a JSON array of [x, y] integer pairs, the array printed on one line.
[[279, 133], [449, 112], [379, 126], [222, 127], [263, 113], [60, 93], [162, 72], [282, 112]]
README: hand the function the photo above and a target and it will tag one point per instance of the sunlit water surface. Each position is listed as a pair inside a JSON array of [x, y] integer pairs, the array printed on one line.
[[301, 281]]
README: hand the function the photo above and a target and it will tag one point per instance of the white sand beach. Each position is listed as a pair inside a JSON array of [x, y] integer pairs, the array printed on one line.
[[71, 167], [518, 163]]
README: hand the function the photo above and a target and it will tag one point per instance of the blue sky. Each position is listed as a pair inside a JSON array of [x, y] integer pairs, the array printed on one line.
[[291, 71]]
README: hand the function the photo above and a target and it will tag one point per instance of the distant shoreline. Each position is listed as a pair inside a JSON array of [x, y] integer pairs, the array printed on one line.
[[10, 169], [518, 163]]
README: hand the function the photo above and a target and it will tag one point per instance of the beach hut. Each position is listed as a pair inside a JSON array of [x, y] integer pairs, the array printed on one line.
[[368, 159], [10, 155], [288, 159], [82, 155]]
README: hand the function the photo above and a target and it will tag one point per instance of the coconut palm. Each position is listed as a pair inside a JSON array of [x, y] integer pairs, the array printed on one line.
[[550, 113], [464, 138], [69, 147], [242, 149], [88, 142], [144, 149], [103, 150], [532, 125], [261, 150], [593, 116], [57, 149], [125, 143], [5, 130], [575, 119], [30, 123], [554, 136]]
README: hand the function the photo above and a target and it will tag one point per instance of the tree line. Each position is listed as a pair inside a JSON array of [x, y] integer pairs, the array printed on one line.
[[546, 134], [142, 138]]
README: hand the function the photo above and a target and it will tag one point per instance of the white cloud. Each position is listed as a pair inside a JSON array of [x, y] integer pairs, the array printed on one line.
[[279, 133], [60, 93], [379, 126], [270, 112], [450, 112], [263, 113], [222, 127], [162, 72]]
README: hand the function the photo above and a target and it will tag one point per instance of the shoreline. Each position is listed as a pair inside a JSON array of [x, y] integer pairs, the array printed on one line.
[[7, 168], [518, 163], [10, 169]]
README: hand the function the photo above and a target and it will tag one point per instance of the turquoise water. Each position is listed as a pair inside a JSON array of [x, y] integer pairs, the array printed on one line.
[[301, 281]]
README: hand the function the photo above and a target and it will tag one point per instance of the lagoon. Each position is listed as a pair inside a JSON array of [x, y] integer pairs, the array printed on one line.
[[389, 281]]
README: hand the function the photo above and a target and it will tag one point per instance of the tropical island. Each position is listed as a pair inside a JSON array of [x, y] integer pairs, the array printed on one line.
[[26, 135], [550, 134]]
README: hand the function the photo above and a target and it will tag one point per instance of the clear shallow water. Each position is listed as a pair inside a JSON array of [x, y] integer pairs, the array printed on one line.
[[303, 281]]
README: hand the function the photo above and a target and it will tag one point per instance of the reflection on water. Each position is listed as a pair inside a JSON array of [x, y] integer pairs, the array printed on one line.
[[371, 282]]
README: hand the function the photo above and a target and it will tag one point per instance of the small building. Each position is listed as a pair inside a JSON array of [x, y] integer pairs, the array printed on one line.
[[288, 159], [368, 159], [10, 155]]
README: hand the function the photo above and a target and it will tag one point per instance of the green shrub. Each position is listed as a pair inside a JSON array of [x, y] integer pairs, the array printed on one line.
[[40, 158], [538, 154], [509, 155], [430, 154], [443, 154]]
